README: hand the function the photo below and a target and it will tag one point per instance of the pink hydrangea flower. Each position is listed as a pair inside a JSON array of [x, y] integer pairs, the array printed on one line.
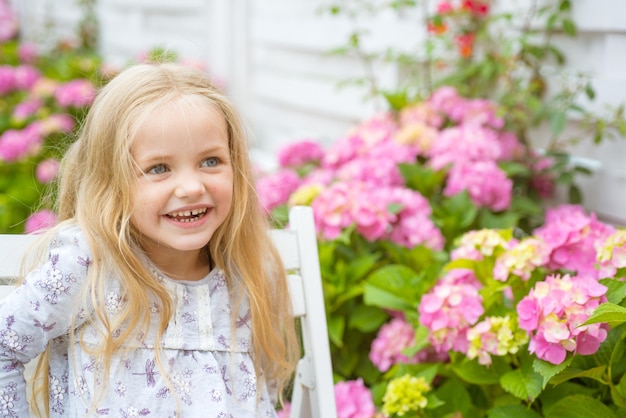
[[39, 221], [274, 189], [26, 76], [448, 311], [27, 52], [392, 338], [285, 411], [378, 128], [354, 400], [412, 225], [7, 79], [487, 185], [17, 144], [552, 314], [75, 93], [54, 123], [464, 144], [477, 244], [378, 165], [300, 153], [421, 113], [47, 170], [611, 253], [571, 236], [496, 336], [27, 108], [521, 259], [367, 208]]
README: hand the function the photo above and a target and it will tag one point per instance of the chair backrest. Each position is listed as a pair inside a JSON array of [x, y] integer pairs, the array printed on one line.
[[313, 393]]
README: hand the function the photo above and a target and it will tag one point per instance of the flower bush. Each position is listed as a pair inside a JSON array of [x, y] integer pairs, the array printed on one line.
[[437, 304], [43, 97]]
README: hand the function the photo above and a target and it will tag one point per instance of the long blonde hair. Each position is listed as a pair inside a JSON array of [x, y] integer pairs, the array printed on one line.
[[95, 191]]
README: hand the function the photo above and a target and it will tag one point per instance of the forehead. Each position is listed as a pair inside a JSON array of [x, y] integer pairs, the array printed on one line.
[[176, 122]]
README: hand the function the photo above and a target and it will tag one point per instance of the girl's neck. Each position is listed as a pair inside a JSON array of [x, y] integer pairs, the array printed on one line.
[[189, 266]]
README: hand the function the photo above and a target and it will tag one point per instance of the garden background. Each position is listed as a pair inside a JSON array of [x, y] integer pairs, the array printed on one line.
[[463, 160], [273, 55]]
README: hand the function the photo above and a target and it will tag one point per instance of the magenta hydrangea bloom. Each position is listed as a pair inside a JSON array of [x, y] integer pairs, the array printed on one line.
[[7, 79], [448, 311], [47, 170], [487, 185], [354, 400], [285, 411], [39, 221], [75, 93], [392, 338], [413, 225], [612, 253], [572, 236], [16, 144], [27, 108], [27, 52], [26, 76], [552, 314], [299, 153], [274, 189], [464, 144]]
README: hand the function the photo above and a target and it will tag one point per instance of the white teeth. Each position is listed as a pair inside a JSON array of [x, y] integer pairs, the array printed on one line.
[[194, 212]]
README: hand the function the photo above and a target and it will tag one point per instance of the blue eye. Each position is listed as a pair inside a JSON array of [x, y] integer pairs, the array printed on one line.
[[211, 162], [158, 169]]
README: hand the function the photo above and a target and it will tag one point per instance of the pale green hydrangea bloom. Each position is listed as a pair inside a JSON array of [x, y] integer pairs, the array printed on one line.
[[405, 394]]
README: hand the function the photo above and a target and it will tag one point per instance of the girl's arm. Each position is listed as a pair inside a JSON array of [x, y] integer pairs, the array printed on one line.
[[41, 309]]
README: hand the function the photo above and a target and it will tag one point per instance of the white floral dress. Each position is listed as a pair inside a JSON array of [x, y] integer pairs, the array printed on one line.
[[210, 371]]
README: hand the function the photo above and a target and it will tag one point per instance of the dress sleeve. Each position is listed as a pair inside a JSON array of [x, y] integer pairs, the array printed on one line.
[[40, 309]]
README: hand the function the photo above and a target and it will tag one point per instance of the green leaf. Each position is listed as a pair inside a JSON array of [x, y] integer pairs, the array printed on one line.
[[575, 194], [569, 27], [391, 287], [557, 122], [473, 372], [579, 406], [367, 318], [548, 370], [616, 290], [512, 411], [607, 312], [596, 373], [524, 384], [336, 326]]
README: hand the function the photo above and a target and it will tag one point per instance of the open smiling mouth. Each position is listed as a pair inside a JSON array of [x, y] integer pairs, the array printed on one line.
[[187, 216]]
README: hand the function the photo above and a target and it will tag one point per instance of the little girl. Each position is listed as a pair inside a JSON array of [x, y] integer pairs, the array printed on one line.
[[159, 293]]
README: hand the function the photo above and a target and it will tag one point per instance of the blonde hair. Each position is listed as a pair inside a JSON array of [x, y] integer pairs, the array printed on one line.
[[97, 173]]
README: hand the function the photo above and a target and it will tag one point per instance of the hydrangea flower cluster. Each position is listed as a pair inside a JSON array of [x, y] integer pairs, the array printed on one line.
[[552, 314], [611, 254], [405, 394], [494, 336], [392, 338], [357, 182], [521, 259], [354, 400], [571, 237], [450, 309], [477, 244]]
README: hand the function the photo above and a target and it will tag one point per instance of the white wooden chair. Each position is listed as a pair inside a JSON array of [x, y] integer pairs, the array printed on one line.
[[313, 392]]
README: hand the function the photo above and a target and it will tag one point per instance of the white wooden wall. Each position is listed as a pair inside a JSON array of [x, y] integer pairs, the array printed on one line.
[[272, 54]]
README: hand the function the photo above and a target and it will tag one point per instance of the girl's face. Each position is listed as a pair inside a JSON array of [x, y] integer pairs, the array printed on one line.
[[184, 186]]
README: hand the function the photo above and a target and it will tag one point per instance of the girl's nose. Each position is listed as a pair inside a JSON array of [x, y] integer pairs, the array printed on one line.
[[189, 186]]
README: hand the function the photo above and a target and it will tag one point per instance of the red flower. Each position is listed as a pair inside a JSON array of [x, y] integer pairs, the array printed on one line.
[[465, 43], [475, 7]]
